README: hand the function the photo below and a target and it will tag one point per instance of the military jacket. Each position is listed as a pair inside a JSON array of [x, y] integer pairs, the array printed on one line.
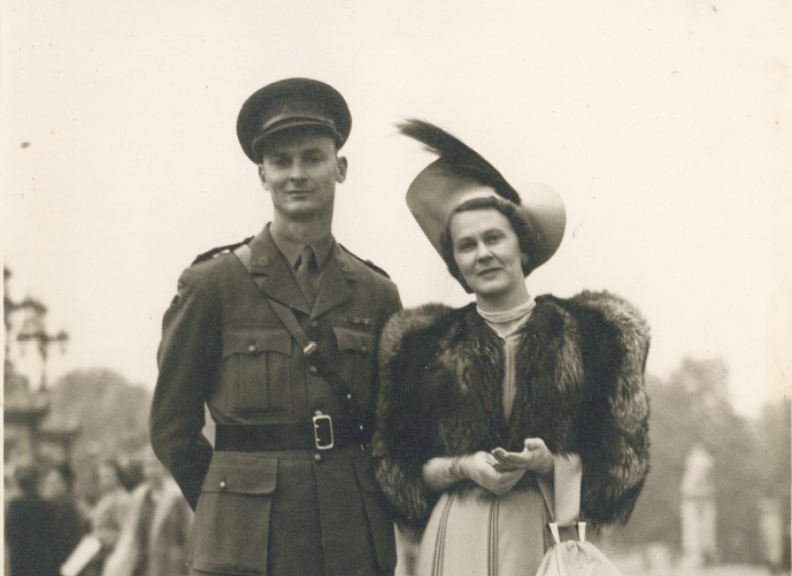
[[224, 347]]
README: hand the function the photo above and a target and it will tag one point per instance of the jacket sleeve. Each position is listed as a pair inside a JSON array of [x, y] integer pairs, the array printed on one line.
[[611, 431], [188, 360], [402, 439]]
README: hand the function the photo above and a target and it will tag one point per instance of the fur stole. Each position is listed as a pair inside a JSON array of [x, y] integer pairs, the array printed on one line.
[[580, 387]]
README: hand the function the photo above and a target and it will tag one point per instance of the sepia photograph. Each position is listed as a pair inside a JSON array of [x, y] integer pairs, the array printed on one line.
[[396, 288]]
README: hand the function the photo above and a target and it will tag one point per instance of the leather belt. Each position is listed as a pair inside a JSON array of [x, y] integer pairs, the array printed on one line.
[[311, 435]]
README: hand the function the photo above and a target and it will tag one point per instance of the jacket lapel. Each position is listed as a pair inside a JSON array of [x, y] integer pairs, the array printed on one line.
[[272, 274], [334, 288]]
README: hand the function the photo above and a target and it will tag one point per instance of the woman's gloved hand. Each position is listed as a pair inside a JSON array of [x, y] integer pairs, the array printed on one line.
[[480, 468], [535, 457]]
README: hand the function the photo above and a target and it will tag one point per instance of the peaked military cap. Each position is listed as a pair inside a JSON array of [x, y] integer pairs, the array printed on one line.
[[289, 104]]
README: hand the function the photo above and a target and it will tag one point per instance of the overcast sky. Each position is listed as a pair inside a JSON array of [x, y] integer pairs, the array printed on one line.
[[665, 127]]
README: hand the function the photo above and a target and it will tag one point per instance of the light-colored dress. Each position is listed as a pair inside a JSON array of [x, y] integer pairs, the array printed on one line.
[[484, 536], [478, 533]]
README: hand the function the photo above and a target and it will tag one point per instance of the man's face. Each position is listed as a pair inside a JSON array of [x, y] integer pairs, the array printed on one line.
[[301, 170]]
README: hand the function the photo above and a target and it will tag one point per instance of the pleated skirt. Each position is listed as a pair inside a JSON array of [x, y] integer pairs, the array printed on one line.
[[480, 535]]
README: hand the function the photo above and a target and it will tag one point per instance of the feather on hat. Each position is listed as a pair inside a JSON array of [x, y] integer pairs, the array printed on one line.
[[461, 173]]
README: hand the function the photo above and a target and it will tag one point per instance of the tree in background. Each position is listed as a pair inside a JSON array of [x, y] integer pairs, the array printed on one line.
[[693, 408], [656, 517], [112, 415], [95, 412]]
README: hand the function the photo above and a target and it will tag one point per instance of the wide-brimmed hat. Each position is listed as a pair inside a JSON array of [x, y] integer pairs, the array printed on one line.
[[461, 174], [290, 104]]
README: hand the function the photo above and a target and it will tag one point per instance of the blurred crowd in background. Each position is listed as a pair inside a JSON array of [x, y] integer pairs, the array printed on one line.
[[133, 520], [85, 496], [84, 493]]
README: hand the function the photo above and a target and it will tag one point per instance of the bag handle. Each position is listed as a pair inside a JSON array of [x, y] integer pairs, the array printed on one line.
[[563, 497]]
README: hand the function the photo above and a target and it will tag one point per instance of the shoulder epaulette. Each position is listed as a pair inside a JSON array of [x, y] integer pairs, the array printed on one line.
[[368, 263], [215, 252]]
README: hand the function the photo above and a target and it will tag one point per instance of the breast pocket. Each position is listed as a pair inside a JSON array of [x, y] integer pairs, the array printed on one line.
[[231, 528], [356, 351], [256, 370]]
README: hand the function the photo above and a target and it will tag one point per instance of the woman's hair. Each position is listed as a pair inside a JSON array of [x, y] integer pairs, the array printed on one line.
[[65, 471], [526, 234]]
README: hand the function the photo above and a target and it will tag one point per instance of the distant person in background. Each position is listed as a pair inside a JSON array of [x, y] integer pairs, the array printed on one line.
[[66, 523], [153, 538], [26, 528], [109, 513]]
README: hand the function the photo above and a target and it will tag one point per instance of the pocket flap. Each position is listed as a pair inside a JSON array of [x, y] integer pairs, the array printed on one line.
[[355, 340], [256, 341], [239, 473]]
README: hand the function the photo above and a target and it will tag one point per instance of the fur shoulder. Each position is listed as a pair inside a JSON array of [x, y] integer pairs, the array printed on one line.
[[615, 347], [625, 320], [409, 322]]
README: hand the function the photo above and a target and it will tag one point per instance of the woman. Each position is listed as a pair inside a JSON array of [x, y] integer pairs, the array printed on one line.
[[153, 537], [108, 515], [66, 523], [482, 406], [27, 528]]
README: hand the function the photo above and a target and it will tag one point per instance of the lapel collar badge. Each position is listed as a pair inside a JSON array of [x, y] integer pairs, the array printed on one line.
[[261, 264], [343, 263]]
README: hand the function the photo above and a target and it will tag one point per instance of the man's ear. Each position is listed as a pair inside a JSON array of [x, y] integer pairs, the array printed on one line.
[[263, 177], [342, 169]]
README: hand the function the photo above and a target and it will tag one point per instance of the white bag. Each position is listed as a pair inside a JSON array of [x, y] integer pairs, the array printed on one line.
[[575, 558], [570, 558]]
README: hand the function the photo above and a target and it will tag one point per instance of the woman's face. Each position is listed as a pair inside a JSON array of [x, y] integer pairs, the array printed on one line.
[[487, 251], [53, 486]]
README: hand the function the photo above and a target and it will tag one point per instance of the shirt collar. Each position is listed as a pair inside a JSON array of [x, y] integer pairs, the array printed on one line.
[[291, 249]]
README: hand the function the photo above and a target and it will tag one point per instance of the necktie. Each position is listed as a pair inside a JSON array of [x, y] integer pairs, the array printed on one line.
[[306, 272]]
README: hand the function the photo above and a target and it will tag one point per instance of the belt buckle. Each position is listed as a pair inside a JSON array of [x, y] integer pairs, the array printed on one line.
[[323, 432], [310, 349]]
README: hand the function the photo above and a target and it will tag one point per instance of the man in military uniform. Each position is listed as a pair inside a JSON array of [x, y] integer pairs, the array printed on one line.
[[277, 336]]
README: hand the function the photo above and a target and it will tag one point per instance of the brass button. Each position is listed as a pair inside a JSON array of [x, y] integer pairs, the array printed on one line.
[[315, 324], [223, 485], [317, 457], [364, 348], [313, 370], [252, 348]]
